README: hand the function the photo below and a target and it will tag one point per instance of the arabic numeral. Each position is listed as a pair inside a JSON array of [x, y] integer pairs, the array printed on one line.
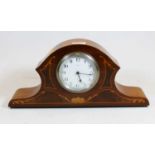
[[66, 66], [77, 59], [65, 79]]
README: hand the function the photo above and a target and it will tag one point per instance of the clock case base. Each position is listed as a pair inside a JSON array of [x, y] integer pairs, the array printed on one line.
[[106, 93], [129, 97]]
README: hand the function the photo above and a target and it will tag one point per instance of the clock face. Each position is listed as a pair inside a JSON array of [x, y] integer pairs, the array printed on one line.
[[78, 72]]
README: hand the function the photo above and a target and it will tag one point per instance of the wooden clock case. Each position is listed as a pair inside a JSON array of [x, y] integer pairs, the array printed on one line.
[[106, 93]]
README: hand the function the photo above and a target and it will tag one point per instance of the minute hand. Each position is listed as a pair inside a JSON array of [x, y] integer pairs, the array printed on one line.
[[85, 74]]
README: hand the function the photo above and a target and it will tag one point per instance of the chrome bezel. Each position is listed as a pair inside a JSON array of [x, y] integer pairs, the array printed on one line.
[[90, 59]]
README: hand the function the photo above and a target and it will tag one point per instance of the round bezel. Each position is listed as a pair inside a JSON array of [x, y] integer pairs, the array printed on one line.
[[91, 61]]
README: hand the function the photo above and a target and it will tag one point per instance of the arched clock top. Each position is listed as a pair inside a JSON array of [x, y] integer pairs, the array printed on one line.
[[78, 43]]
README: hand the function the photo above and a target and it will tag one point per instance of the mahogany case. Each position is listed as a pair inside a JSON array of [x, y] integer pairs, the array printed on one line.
[[106, 93]]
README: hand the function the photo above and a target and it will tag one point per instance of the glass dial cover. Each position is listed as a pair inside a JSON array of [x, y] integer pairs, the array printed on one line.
[[78, 72]]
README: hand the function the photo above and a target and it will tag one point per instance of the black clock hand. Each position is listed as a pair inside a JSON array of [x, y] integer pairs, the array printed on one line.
[[78, 74], [85, 74]]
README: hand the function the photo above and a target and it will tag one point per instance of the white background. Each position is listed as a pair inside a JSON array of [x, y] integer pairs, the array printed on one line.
[[20, 53], [81, 15]]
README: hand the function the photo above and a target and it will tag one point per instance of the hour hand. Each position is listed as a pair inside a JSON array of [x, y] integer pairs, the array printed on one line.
[[78, 74]]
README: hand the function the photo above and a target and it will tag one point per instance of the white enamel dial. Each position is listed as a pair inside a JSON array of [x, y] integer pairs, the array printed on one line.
[[78, 72]]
